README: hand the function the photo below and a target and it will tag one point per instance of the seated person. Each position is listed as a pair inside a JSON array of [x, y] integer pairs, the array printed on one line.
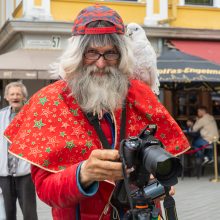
[[189, 124], [206, 125], [188, 130]]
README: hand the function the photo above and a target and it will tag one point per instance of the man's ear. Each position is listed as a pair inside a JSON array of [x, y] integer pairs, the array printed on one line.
[[6, 98]]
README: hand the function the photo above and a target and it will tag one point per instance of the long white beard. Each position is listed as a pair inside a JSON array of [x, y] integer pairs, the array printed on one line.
[[95, 93]]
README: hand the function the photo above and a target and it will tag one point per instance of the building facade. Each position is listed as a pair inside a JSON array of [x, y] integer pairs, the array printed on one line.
[[34, 32]]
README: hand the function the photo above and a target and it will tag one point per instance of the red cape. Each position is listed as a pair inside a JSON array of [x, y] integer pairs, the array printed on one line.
[[52, 132]]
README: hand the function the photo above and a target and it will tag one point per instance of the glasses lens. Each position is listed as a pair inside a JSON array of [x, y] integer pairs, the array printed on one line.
[[107, 56], [92, 56], [111, 56]]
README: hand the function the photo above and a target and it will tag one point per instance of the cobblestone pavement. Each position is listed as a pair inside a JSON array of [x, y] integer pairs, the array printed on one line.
[[43, 211], [196, 199]]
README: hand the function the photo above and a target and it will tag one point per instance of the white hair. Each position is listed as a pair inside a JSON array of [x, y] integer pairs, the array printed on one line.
[[16, 84], [72, 58], [94, 93]]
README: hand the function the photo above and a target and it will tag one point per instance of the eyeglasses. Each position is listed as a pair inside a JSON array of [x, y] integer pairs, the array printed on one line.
[[109, 55]]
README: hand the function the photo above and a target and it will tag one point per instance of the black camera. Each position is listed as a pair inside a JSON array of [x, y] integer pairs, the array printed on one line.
[[147, 156]]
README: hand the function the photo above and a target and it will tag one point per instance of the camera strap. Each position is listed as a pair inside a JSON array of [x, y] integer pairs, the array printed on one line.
[[94, 121]]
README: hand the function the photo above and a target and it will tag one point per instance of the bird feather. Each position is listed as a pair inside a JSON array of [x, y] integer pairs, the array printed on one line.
[[145, 64]]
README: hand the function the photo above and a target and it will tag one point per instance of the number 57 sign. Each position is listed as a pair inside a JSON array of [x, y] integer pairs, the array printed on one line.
[[56, 41]]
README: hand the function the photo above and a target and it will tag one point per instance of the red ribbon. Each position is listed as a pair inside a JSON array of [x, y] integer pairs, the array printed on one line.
[[196, 150]]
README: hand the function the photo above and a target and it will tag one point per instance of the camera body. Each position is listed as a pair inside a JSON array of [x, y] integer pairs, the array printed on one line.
[[133, 152], [147, 156]]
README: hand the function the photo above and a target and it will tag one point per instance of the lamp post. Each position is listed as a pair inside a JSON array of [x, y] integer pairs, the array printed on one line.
[[216, 178]]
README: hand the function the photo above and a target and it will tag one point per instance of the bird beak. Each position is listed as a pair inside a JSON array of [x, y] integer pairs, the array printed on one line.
[[129, 33]]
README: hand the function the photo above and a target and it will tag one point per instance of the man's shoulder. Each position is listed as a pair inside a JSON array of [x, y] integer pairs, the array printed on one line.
[[138, 85], [207, 116], [4, 112], [4, 109], [55, 86], [51, 90], [139, 88]]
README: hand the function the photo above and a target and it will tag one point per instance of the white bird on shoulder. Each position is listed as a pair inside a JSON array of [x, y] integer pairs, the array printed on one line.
[[145, 65]]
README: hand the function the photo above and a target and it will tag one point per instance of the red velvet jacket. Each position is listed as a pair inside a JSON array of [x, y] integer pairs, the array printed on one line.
[[53, 134]]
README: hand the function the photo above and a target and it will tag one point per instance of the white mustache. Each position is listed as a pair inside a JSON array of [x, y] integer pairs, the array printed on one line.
[[95, 93]]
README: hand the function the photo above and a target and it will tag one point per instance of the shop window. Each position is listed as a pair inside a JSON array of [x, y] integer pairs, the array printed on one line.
[[215, 104], [186, 104], [215, 99], [199, 2]]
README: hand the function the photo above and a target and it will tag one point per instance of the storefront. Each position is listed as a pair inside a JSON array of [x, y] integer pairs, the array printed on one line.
[[28, 48], [188, 82]]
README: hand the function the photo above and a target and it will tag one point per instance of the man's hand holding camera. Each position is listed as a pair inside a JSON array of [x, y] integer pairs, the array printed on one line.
[[101, 165]]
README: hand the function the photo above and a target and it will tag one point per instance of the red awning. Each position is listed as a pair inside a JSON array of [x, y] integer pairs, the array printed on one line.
[[209, 50]]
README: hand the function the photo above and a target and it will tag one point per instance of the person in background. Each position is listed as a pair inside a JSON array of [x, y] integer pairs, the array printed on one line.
[[77, 123], [189, 124], [15, 177], [2, 207], [206, 125], [191, 135]]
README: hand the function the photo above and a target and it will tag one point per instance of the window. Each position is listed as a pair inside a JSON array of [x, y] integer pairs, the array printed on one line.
[[125, 0], [186, 104], [199, 2], [215, 99], [215, 104]]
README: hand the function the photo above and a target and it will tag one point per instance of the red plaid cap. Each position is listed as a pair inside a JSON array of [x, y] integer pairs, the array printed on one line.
[[95, 13]]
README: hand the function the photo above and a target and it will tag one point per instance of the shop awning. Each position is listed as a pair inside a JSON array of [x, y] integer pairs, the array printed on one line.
[[176, 66], [28, 63], [208, 50]]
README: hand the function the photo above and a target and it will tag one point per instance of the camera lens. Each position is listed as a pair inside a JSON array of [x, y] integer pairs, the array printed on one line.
[[164, 168], [168, 171]]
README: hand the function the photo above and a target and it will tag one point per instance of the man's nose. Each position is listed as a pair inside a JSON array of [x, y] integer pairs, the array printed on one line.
[[16, 96], [101, 62]]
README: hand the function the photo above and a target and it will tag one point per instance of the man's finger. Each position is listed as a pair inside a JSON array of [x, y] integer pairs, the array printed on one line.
[[105, 154]]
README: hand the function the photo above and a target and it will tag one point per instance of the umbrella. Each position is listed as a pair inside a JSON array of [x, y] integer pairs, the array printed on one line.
[[176, 66]]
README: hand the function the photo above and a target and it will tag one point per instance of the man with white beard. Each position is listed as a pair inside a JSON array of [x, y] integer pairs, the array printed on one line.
[[75, 161]]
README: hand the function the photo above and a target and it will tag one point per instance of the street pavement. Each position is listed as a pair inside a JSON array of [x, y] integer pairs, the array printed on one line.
[[196, 199]]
